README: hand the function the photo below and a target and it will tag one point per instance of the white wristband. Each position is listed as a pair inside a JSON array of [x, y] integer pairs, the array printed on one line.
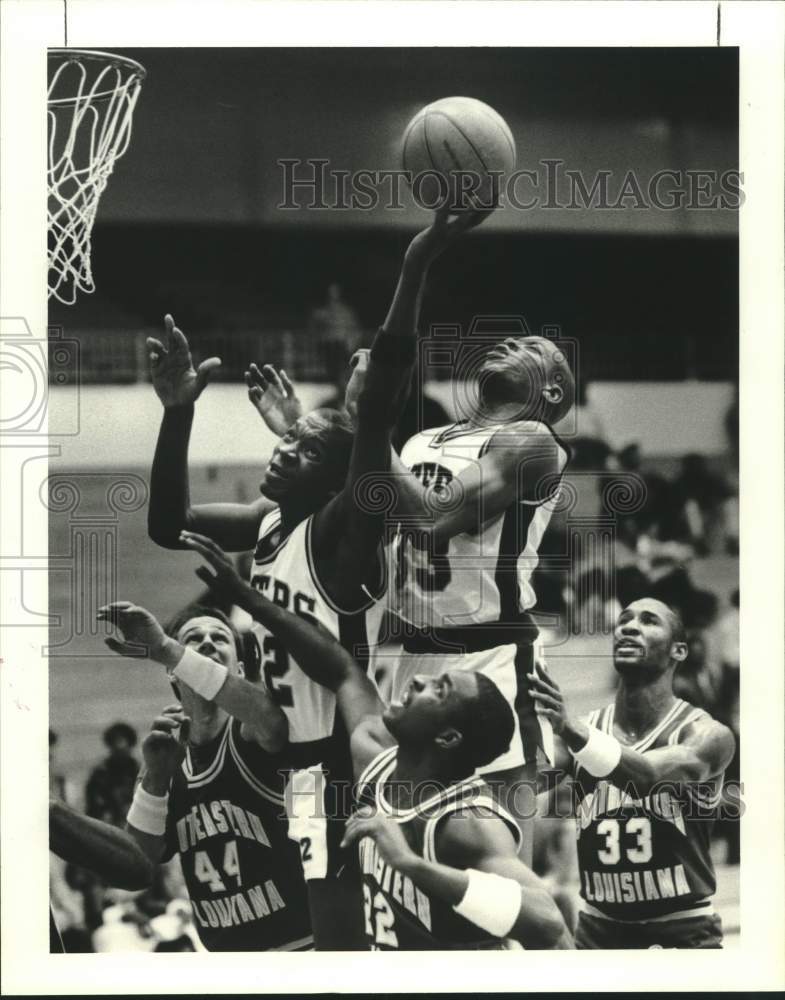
[[601, 755], [148, 812], [201, 674], [492, 902]]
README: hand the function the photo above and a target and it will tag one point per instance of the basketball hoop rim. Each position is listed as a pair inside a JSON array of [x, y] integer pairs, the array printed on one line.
[[73, 55]]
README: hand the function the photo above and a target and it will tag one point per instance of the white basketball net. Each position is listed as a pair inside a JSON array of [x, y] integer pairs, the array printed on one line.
[[91, 102]]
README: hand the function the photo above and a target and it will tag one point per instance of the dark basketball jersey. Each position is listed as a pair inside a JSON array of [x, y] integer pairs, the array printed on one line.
[[642, 858], [227, 822], [398, 915]]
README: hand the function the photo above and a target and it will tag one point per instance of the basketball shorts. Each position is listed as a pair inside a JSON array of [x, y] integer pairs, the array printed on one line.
[[699, 931], [506, 666], [317, 807]]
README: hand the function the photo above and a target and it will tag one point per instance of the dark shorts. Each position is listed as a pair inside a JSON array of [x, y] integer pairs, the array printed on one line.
[[687, 932]]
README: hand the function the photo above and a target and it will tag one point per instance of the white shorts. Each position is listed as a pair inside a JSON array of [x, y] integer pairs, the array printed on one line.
[[506, 666]]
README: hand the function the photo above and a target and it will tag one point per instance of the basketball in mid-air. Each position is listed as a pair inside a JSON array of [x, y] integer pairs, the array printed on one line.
[[459, 148]]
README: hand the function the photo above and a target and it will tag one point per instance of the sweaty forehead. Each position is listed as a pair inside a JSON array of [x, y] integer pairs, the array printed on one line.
[[648, 604], [206, 624]]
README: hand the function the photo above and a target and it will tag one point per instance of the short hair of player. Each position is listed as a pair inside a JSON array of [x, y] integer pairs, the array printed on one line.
[[487, 726], [678, 631], [340, 435], [203, 611]]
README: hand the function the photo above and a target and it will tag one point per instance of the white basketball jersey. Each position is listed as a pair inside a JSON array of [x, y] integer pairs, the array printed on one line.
[[283, 570], [481, 576]]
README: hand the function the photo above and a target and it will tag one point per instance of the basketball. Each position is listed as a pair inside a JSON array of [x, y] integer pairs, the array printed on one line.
[[459, 147]]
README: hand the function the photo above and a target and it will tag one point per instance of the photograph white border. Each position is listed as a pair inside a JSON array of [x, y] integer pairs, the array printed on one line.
[[28, 28]]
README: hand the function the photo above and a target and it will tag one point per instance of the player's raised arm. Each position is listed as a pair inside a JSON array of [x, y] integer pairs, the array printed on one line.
[[252, 704], [481, 876], [163, 750], [705, 748], [520, 465], [350, 526], [317, 653], [112, 854], [178, 385]]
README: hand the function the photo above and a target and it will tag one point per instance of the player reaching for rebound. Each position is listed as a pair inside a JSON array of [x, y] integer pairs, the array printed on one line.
[[317, 546], [212, 789], [438, 853], [648, 772], [483, 490]]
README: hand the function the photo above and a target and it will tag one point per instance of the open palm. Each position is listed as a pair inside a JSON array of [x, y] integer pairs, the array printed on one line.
[[175, 380], [274, 397]]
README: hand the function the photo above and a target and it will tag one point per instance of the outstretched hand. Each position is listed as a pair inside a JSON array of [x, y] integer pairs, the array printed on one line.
[[141, 634], [548, 699], [445, 229], [274, 397], [222, 577], [175, 380]]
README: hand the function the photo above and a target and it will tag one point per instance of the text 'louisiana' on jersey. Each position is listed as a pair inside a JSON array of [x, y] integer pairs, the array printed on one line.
[[226, 820], [646, 857], [283, 570], [483, 575], [399, 915]]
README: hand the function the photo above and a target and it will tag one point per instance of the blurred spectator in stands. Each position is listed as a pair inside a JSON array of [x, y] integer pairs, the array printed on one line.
[[110, 787], [59, 787], [694, 679], [658, 517], [727, 710], [666, 566], [701, 496], [731, 505], [592, 601], [589, 445], [68, 906], [336, 331]]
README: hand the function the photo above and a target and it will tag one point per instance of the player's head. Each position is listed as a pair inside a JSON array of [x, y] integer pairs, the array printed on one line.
[[460, 715], [649, 639], [310, 462], [209, 632], [531, 372]]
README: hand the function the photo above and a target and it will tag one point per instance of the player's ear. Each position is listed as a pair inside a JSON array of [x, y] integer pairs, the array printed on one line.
[[553, 392], [679, 652], [240, 668], [449, 739]]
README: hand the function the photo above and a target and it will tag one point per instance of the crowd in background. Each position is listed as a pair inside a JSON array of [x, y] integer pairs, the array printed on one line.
[[685, 515], [92, 916]]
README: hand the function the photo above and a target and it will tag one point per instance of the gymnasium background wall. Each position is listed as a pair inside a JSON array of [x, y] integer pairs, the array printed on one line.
[[118, 427]]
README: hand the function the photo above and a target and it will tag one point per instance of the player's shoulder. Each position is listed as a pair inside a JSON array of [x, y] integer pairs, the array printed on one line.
[[368, 740], [708, 736], [472, 831], [517, 434], [701, 725], [429, 435]]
